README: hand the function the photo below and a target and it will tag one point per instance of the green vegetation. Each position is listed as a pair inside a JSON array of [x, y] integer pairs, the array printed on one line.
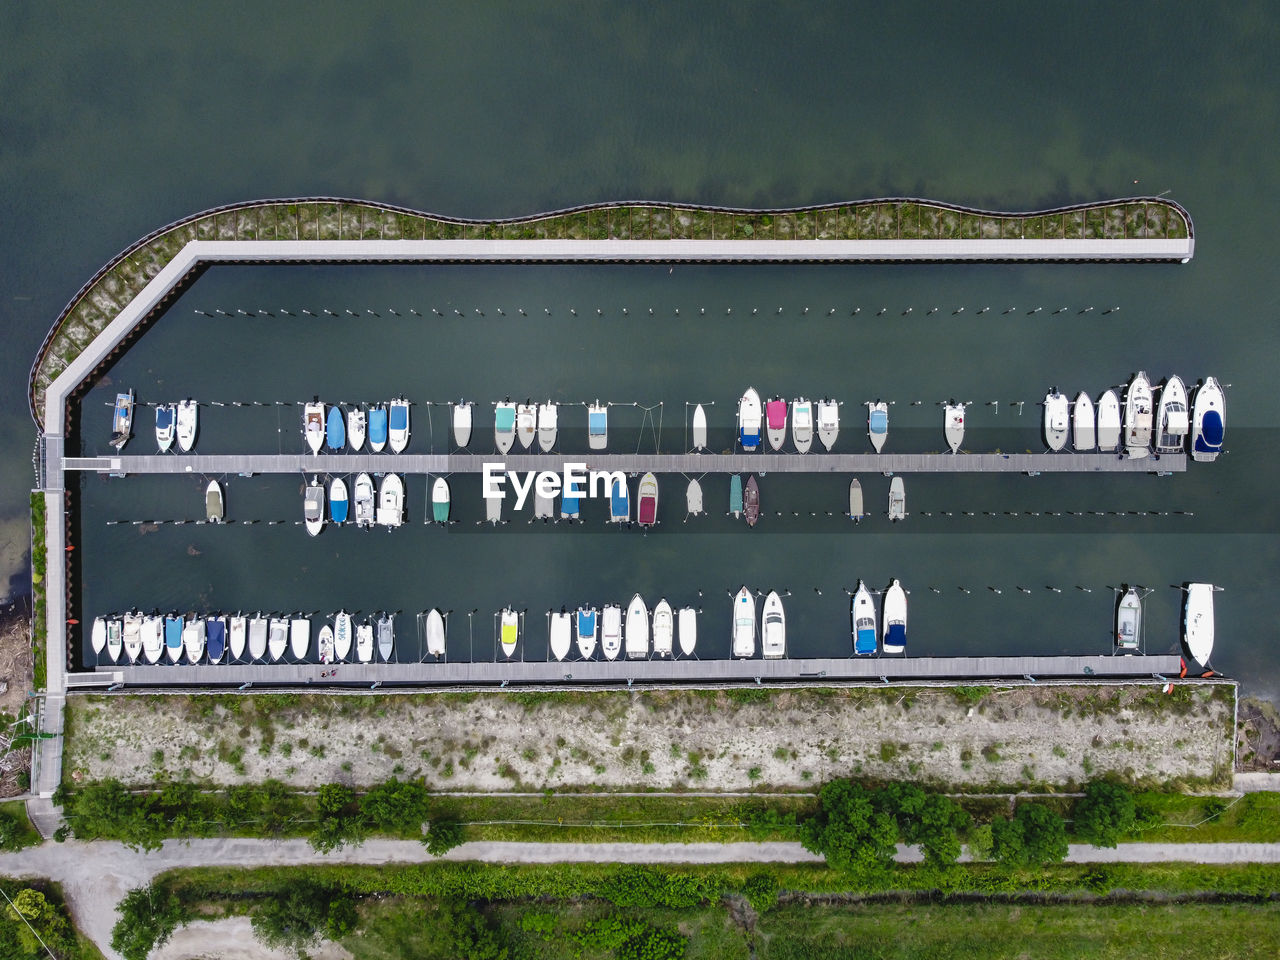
[[32, 911], [1104, 814], [39, 566], [16, 830]]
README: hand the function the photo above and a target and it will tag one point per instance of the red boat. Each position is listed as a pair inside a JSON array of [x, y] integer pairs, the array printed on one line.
[[647, 515]]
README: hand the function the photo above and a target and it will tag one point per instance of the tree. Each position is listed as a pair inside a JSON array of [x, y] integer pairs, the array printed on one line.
[[296, 919], [848, 831], [1035, 835], [941, 821], [12, 835], [106, 809], [1006, 841], [1105, 813], [442, 836], [148, 917], [394, 806], [39, 922], [340, 819]]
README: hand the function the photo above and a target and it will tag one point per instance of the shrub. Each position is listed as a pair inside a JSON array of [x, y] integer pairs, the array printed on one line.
[[1105, 813], [849, 831], [1035, 835], [148, 917], [761, 891], [443, 836]]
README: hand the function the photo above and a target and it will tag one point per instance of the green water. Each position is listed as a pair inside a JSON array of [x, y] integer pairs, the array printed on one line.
[[119, 120]]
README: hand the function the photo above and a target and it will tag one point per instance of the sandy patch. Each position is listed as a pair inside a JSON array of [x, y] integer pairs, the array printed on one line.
[[233, 939]]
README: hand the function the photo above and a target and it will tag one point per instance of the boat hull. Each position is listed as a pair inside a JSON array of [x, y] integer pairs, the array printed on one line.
[[560, 634], [773, 634], [1209, 421], [878, 424], [1109, 422], [611, 631], [1083, 422], [637, 632], [435, 633], [1056, 420], [862, 613], [663, 629], [744, 624], [828, 423], [462, 416], [1138, 417], [588, 625], [953, 425], [1197, 623], [325, 645], [699, 428], [688, 622], [897, 499], [895, 619]]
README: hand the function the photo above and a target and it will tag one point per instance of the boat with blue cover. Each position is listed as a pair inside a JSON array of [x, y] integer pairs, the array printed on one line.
[[173, 638], [749, 420], [863, 614], [504, 425], [398, 425], [570, 506], [338, 502], [165, 419], [216, 637], [735, 496], [336, 429], [597, 426], [587, 626], [440, 500], [619, 502], [878, 423], [377, 428], [1208, 421], [895, 618]]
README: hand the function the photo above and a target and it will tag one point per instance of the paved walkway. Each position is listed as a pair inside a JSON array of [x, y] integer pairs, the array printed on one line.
[[95, 876]]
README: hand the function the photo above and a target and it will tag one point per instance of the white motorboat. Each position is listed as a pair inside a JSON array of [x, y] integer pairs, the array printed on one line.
[[548, 423], [744, 624], [122, 420], [895, 618], [462, 413], [504, 425], [114, 644], [1209, 421], [1056, 420], [440, 500], [313, 507], [238, 635], [587, 628], [1083, 421], [1173, 418], [597, 425], [693, 498], [153, 640], [300, 637], [664, 628], [773, 633], [699, 428], [1197, 623], [1129, 622], [386, 629], [365, 501], [435, 633], [688, 620], [131, 637], [1138, 417], [391, 501], [357, 422], [526, 423], [828, 422], [544, 507], [324, 645], [878, 423], [343, 635], [856, 509], [802, 424], [611, 631], [897, 499], [953, 425], [398, 425], [1108, 422], [510, 635], [188, 424], [775, 417], [166, 417], [749, 420], [364, 642], [214, 511], [313, 424], [493, 509], [862, 613], [277, 638], [637, 632], [98, 635], [257, 638], [193, 634], [560, 634]]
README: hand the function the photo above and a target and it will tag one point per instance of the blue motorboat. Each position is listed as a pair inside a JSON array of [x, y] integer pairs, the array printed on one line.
[[173, 637], [215, 638], [619, 503], [862, 613], [569, 506], [377, 429], [338, 501], [336, 429]]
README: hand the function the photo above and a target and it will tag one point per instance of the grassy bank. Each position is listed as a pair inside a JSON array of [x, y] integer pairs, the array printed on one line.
[[16, 826], [39, 563]]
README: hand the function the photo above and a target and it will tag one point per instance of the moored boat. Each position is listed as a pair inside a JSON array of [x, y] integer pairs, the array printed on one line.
[[897, 499], [1197, 623], [637, 630], [213, 506], [462, 416], [391, 501], [237, 635], [751, 501], [560, 633], [277, 638], [114, 635], [828, 422], [856, 509], [1056, 420], [493, 509], [862, 613], [664, 627], [773, 632], [386, 636], [356, 421], [440, 500], [188, 422], [699, 428], [258, 637], [324, 644], [312, 424], [365, 501], [504, 425], [895, 619], [619, 502], [544, 507], [398, 425], [98, 635], [749, 420], [173, 638], [435, 633], [377, 428], [216, 637], [735, 496], [693, 497], [335, 428], [647, 501], [1138, 417], [1108, 422], [153, 640], [953, 425], [597, 426], [775, 415], [878, 423], [339, 505], [611, 631], [509, 623], [802, 424], [343, 634], [122, 420], [300, 637], [587, 626], [313, 507], [570, 506], [1083, 421], [688, 620], [526, 423], [1129, 622], [1173, 419], [744, 624], [364, 642], [193, 636], [131, 637], [548, 423], [166, 414], [1209, 421]]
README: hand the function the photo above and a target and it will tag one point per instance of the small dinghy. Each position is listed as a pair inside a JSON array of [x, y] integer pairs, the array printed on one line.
[[862, 613], [131, 637], [897, 499], [619, 502], [1197, 623], [744, 624], [257, 637], [587, 627], [773, 633], [435, 633], [313, 507], [1173, 420], [300, 637], [173, 638], [611, 631], [597, 426], [560, 634], [504, 425], [647, 501], [1129, 622], [828, 422], [193, 636], [166, 414], [364, 642], [735, 496], [462, 423], [335, 430], [343, 634], [749, 420], [98, 635], [114, 644], [802, 424], [386, 637], [493, 509], [355, 428], [544, 507], [440, 500], [312, 424], [953, 425], [377, 428], [1083, 421], [751, 501], [213, 507], [547, 425], [895, 618], [1056, 420], [1138, 417], [338, 503], [637, 633], [278, 638], [856, 510], [775, 414], [699, 428], [188, 423], [237, 635], [509, 635], [216, 636], [365, 500], [878, 423], [688, 620], [526, 423], [325, 644], [1108, 422], [153, 639], [398, 425], [693, 498], [1209, 420], [664, 628], [122, 420], [391, 501]]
